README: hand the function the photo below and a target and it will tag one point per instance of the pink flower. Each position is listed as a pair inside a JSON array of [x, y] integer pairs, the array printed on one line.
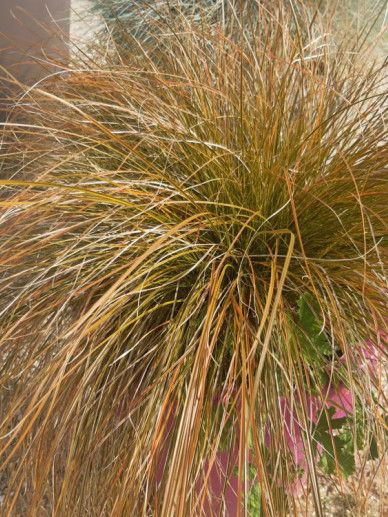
[[221, 487], [371, 354], [341, 400], [292, 432]]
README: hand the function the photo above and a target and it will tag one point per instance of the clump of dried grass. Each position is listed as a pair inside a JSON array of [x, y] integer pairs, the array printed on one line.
[[170, 218]]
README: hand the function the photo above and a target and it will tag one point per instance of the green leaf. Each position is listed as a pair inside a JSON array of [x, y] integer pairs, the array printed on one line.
[[312, 327], [254, 495], [346, 461], [314, 343], [339, 447], [373, 449]]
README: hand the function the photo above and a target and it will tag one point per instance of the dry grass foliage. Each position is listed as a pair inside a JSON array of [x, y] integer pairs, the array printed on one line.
[[167, 207]]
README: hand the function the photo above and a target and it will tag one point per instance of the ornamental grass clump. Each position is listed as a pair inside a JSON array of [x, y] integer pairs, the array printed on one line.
[[192, 259]]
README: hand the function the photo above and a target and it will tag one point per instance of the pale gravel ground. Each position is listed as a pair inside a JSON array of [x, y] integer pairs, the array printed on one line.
[[83, 25]]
